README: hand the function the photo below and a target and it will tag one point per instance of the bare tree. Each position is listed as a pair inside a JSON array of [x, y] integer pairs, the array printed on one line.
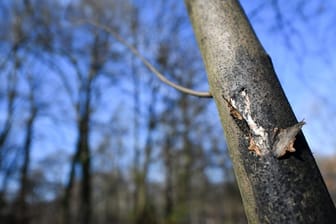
[[23, 214], [89, 63], [82, 155]]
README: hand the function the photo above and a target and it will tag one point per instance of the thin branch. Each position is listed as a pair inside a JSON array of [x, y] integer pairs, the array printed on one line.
[[146, 62]]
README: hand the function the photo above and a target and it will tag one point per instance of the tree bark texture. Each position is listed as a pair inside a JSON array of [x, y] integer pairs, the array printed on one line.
[[275, 187]]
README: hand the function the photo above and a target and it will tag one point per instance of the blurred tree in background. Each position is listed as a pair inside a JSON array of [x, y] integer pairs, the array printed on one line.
[[89, 135]]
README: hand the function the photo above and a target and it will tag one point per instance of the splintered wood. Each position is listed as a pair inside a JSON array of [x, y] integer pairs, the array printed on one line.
[[282, 140], [233, 111], [253, 146], [285, 138]]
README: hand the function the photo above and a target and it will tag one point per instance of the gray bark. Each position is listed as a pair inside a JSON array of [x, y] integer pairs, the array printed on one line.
[[276, 186]]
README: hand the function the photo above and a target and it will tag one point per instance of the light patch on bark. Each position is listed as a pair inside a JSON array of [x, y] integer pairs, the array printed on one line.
[[285, 138], [281, 141], [259, 140], [253, 146]]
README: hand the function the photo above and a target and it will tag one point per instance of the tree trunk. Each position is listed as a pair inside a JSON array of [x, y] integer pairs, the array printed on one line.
[[255, 115], [68, 188], [23, 216], [168, 191], [85, 156], [82, 158]]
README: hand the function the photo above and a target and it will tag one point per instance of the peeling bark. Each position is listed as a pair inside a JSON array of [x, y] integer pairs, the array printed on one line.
[[261, 139], [285, 138]]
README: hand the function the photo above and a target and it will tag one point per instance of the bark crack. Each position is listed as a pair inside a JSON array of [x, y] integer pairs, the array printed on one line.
[[262, 141]]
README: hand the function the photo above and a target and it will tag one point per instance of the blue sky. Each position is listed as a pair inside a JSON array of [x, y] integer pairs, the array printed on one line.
[[304, 75], [304, 61], [303, 54]]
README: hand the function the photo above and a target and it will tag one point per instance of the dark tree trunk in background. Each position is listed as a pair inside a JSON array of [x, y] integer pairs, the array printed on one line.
[[82, 159], [85, 161], [23, 215], [82, 156], [68, 188], [252, 105], [168, 191], [146, 213], [10, 110]]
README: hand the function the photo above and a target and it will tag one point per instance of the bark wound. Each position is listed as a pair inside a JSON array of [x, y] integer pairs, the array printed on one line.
[[284, 139], [261, 140]]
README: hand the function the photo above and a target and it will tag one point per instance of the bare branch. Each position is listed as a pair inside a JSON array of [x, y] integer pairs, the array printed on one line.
[[146, 62]]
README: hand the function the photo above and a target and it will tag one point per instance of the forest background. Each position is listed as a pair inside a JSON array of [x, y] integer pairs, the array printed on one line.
[[89, 135]]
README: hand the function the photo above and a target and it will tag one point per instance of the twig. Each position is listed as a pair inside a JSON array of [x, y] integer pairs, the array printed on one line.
[[146, 62]]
